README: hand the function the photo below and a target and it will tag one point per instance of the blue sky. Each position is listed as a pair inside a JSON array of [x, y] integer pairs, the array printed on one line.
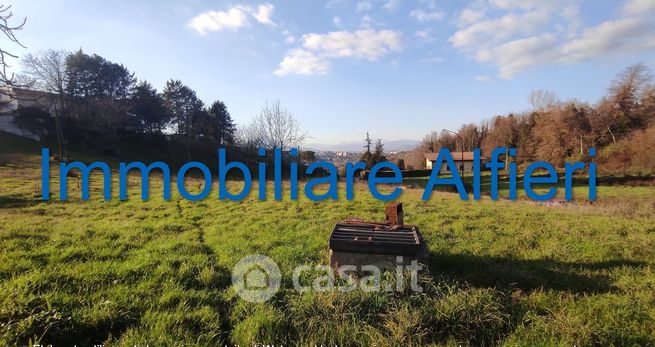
[[396, 68]]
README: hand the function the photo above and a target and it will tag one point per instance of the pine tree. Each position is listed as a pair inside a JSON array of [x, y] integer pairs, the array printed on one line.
[[366, 156], [378, 154], [224, 124], [187, 112], [147, 106], [368, 143]]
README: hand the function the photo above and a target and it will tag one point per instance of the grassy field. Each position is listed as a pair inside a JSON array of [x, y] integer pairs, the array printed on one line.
[[157, 272]]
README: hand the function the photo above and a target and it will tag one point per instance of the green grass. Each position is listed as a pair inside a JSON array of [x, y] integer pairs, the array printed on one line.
[[157, 272]]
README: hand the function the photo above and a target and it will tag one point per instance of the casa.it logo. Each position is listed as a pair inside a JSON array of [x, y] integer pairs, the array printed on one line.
[[256, 278]]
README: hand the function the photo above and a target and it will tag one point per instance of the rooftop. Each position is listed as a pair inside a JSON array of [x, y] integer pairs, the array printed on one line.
[[457, 156]]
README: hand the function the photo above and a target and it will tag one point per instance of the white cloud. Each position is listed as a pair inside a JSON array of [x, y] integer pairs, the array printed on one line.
[[368, 44], [491, 31], [335, 3], [302, 62], [529, 33], [430, 60], [483, 78], [429, 3], [542, 5], [627, 35], [391, 5], [288, 36], [511, 4], [367, 22], [337, 22], [317, 50], [264, 14], [425, 16], [425, 35], [515, 56], [232, 19], [571, 14], [470, 15], [633, 7], [363, 6]]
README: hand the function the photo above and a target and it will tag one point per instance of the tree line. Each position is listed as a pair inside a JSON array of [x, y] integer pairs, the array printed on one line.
[[101, 103], [98, 104], [621, 123]]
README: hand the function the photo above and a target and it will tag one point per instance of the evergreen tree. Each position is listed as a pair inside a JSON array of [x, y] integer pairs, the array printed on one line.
[[188, 116], [223, 125], [378, 154], [183, 106], [401, 164], [366, 156], [100, 91], [368, 143], [150, 114]]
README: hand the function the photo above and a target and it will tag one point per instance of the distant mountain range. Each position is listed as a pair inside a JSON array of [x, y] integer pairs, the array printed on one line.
[[395, 145]]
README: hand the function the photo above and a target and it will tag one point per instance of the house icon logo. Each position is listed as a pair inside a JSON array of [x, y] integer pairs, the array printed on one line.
[[256, 278]]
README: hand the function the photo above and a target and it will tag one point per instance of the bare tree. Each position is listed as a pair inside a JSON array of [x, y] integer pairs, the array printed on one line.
[[8, 30], [630, 83], [470, 135], [625, 94], [276, 127], [246, 137], [542, 100], [47, 71], [430, 142], [415, 159], [433, 141]]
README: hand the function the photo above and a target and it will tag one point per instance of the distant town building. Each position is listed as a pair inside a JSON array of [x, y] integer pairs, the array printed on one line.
[[466, 161], [13, 99]]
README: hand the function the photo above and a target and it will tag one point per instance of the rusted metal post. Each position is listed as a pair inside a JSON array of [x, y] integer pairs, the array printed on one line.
[[394, 213]]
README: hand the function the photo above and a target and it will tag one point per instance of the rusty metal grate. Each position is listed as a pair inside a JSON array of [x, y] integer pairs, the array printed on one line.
[[374, 238], [356, 242]]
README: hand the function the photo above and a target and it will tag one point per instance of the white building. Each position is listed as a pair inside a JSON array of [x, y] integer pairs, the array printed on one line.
[[13, 99], [462, 161]]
